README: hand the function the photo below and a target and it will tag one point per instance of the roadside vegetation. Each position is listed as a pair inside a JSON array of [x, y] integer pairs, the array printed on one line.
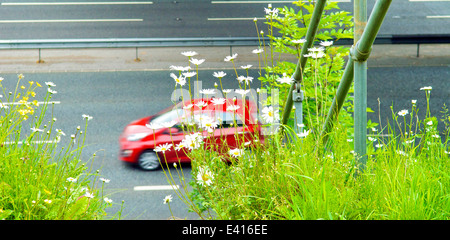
[[294, 175], [40, 180]]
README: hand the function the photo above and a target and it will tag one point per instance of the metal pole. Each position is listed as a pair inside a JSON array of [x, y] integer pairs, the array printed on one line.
[[310, 36], [137, 59], [360, 91], [359, 52], [338, 101]]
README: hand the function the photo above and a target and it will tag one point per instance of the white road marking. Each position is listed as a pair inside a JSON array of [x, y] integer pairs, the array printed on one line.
[[234, 19], [37, 142], [71, 3], [429, 0], [156, 187], [263, 1], [17, 103], [71, 20], [442, 16]]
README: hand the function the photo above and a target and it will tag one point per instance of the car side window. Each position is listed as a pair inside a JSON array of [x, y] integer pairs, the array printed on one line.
[[227, 119]]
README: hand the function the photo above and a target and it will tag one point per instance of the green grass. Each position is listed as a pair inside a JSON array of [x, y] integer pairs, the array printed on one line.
[[298, 180], [38, 179]]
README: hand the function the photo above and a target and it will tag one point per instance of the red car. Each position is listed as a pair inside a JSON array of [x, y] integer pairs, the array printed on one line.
[[224, 124]]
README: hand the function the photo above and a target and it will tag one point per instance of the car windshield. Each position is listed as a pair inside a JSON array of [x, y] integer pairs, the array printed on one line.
[[172, 115], [223, 118]]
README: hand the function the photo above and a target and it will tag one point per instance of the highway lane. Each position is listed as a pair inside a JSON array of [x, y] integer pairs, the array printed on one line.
[[116, 98], [184, 18]]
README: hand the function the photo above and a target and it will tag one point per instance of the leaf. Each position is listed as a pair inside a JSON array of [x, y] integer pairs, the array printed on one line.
[[78, 208]]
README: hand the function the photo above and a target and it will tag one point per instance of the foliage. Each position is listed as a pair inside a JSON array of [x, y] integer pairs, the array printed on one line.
[[293, 176], [321, 75], [38, 181]]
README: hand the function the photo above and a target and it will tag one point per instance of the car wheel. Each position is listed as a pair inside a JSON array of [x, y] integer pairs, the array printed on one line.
[[149, 161]]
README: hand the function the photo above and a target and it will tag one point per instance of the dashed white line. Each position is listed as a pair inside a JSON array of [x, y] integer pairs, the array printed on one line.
[[263, 1], [17, 103], [233, 19], [156, 187], [442, 16], [429, 0], [72, 3], [37, 142], [70, 20]]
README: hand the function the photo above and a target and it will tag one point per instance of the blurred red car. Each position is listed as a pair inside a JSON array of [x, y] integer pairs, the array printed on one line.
[[231, 123]]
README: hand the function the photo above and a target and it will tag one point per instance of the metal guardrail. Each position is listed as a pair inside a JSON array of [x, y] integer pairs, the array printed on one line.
[[126, 42], [194, 42]]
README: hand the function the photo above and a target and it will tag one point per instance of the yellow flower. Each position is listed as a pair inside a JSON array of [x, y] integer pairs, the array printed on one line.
[[22, 87], [46, 191], [33, 94], [39, 85], [31, 82], [35, 103]]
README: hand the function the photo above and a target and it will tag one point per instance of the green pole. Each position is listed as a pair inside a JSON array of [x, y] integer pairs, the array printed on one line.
[[360, 90], [298, 74], [358, 53]]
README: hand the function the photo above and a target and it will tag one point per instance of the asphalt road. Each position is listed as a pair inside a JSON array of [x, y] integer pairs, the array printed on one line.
[[116, 98], [20, 19]]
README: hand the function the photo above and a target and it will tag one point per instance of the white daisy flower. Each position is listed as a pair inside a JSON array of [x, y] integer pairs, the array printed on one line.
[[245, 79], [89, 195], [105, 180], [189, 74], [258, 51], [71, 179], [220, 74], [201, 104], [207, 91], [85, 116], [51, 91], [218, 101], [230, 58], [167, 199], [189, 53], [403, 112], [326, 43], [204, 176], [233, 108], [299, 41], [197, 61], [285, 79], [153, 126], [50, 84], [242, 91], [269, 115], [163, 148], [236, 152], [429, 88], [179, 80], [33, 129]]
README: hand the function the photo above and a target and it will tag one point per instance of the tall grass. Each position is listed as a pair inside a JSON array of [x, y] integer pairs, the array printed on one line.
[[299, 180], [38, 179], [295, 176]]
